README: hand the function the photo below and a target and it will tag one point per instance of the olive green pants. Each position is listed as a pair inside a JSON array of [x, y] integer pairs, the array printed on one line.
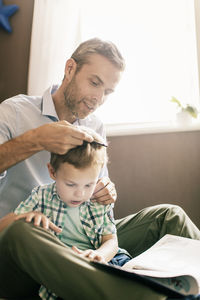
[[30, 256]]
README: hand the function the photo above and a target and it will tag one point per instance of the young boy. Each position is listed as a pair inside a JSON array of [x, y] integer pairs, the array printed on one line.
[[65, 207]]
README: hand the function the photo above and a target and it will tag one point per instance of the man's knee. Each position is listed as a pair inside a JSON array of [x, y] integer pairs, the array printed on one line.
[[18, 232], [169, 211], [17, 229], [175, 211]]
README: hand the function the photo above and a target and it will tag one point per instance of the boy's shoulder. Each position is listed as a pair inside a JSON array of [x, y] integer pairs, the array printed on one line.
[[47, 195], [98, 207], [45, 192], [45, 187]]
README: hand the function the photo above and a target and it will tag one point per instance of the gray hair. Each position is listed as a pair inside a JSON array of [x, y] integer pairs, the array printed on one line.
[[97, 46]]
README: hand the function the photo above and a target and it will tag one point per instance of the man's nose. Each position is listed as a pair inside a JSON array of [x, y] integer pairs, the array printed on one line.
[[99, 97]]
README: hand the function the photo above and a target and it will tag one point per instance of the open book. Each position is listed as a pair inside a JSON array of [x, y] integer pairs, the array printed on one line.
[[173, 263]]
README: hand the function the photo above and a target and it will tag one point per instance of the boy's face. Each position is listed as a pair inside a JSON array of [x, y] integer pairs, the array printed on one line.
[[75, 186]]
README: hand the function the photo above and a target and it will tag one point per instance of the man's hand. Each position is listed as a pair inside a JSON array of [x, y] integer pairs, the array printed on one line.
[[59, 137], [39, 220], [92, 255], [105, 192]]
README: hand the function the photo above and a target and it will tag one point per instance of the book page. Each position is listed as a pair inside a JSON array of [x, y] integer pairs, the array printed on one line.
[[185, 285], [171, 256]]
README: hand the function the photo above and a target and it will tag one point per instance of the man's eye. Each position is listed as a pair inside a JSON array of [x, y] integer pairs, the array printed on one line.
[[94, 83]]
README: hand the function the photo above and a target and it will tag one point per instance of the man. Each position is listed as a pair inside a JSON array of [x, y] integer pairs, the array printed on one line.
[[31, 126]]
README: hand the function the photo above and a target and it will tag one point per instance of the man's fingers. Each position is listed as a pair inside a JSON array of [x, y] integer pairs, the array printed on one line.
[[105, 202], [55, 228], [77, 133], [29, 217], [59, 137], [101, 184], [37, 219], [21, 216], [105, 192]]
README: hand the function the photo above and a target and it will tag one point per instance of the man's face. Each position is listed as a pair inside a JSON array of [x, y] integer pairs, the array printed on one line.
[[90, 87], [75, 186]]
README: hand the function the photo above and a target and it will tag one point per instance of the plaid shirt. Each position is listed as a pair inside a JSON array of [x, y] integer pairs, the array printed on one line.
[[96, 219]]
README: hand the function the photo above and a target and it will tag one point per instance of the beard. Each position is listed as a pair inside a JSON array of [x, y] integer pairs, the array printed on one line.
[[71, 98], [79, 107]]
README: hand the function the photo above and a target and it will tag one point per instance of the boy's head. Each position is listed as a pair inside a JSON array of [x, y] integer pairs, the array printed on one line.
[[76, 172]]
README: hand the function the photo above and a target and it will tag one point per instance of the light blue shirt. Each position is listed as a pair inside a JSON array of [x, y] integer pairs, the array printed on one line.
[[17, 115]]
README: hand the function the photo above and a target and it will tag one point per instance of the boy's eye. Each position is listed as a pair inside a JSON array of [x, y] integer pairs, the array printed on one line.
[[88, 185], [70, 184]]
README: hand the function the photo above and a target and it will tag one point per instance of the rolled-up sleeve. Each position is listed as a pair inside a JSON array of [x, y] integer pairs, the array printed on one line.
[[8, 125], [8, 121]]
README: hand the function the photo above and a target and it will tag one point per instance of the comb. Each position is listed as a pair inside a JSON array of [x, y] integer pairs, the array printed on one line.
[[100, 144]]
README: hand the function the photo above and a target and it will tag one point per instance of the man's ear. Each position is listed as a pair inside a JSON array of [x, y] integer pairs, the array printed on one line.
[[52, 172], [70, 68]]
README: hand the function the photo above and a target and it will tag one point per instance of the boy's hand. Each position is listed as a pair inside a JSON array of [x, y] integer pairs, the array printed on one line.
[[105, 192], [39, 220], [92, 255]]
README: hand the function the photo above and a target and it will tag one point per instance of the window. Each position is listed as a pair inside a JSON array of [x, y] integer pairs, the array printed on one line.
[[158, 40]]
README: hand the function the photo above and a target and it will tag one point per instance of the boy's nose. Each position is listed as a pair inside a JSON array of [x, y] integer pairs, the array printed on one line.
[[79, 193]]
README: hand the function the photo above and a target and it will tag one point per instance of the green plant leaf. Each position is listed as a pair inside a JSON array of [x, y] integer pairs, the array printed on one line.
[[191, 110], [174, 100]]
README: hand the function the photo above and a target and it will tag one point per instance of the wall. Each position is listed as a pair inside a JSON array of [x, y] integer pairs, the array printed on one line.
[[14, 50], [156, 168]]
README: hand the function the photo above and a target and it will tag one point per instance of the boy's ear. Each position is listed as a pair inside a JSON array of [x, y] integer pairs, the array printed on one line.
[[51, 171]]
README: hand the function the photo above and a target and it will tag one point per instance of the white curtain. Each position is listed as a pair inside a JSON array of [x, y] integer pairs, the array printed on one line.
[[55, 35]]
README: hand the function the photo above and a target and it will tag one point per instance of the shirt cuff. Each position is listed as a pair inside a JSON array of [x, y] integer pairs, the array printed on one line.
[[2, 175]]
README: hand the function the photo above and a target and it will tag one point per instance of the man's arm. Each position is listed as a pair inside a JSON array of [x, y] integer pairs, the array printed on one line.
[[17, 149], [38, 218], [7, 220], [56, 137]]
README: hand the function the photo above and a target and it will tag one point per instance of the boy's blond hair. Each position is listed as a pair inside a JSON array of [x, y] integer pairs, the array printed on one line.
[[83, 156]]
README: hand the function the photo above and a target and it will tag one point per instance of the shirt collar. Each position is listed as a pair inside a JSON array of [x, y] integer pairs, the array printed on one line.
[[55, 194], [48, 108], [54, 190]]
